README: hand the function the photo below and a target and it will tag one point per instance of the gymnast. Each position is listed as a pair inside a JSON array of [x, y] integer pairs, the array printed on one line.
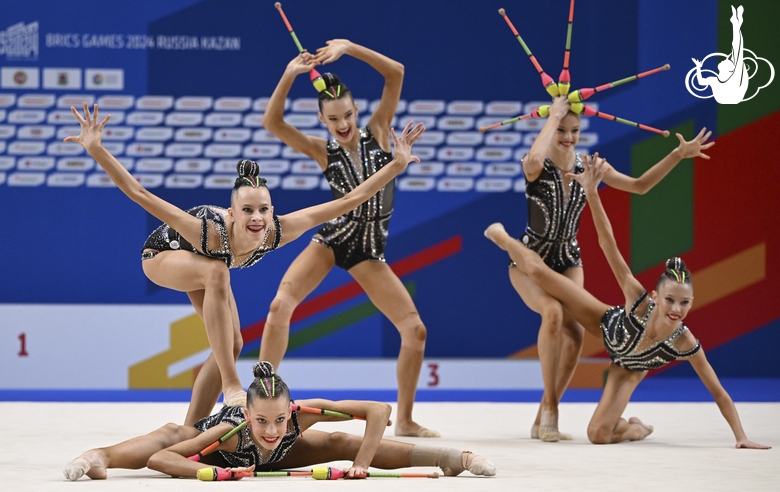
[[273, 438], [646, 333], [555, 203], [356, 240], [194, 249]]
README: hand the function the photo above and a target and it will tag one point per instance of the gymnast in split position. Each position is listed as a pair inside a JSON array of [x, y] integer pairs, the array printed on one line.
[[555, 203], [356, 240], [273, 438], [193, 250], [645, 333]]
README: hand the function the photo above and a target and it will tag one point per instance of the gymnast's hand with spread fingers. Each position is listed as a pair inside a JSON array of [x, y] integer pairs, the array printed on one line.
[[91, 136], [594, 172], [695, 146], [402, 147]]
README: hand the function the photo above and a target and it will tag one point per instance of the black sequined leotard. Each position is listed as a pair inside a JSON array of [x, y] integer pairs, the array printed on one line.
[[554, 217], [164, 238], [360, 234], [247, 453], [623, 335]]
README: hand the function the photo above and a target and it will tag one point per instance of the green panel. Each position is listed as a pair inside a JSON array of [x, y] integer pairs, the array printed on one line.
[[662, 219], [760, 35], [330, 325]]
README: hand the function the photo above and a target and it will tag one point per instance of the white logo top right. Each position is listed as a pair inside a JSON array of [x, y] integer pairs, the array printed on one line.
[[730, 84]]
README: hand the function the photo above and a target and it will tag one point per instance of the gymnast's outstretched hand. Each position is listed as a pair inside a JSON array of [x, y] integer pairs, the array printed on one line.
[[91, 135], [695, 146], [403, 145], [593, 174]]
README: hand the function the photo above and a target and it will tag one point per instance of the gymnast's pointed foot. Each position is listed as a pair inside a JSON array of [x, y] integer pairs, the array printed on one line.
[[647, 428], [92, 464], [496, 232], [413, 429], [235, 398], [451, 461]]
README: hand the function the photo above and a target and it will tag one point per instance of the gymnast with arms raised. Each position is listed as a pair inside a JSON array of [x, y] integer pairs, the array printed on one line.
[[273, 438], [555, 203], [646, 333], [355, 241], [193, 250]]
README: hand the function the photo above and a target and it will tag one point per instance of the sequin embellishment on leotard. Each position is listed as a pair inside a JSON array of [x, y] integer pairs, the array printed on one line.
[[360, 234], [247, 453], [623, 334]]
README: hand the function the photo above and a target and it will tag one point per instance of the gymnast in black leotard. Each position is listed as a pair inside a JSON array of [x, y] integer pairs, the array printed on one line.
[[270, 435], [356, 240], [645, 333], [192, 252], [555, 203]]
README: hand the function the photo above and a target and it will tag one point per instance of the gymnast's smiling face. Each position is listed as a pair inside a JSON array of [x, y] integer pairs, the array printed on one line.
[[340, 116], [673, 300], [267, 420], [568, 133], [251, 211]]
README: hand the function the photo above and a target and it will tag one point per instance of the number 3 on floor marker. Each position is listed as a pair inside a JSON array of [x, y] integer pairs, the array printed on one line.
[[433, 374]]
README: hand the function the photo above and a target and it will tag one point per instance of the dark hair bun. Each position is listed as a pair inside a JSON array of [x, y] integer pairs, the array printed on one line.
[[675, 263], [263, 369], [330, 79], [247, 168]]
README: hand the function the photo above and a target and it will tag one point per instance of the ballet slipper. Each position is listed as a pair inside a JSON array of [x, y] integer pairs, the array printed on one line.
[[562, 435], [647, 427], [235, 399], [81, 466], [420, 432], [549, 433], [451, 461]]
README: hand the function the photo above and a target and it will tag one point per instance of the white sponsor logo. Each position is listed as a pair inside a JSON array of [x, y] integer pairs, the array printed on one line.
[[533, 124], [290, 153], [184, 119], [32, 116], [425, 169], [192, 165], [183, 181], [313, 132], [464, 138], [26, 179], [114, 148], [306, 166], [193, 134], [302, 120], [36, 101], [149, 180], [519, 186], [2, 178], [26, 148], [75, 164], [20, 41], [116, 102], [77, 101], [494, 185], [494, 154], [362, 104], [455, 184], [300, 182], [7, 131], [7, 163], [503, 169], [232, 104], [259, 151], [154, 165], [426, 107], [20, 78], [193, 103], [456, 123], [184, 150], [530, 138], [145, 149], [261, 103], [400, 109], [99, 180], [104, 79], [225, 166], [2, 115], [324, 185], [62, 78], [118, 133], [61, 117], [253, 120], [155, 134], [504, 108], [36, 164], [7, 100], [160, 103], [427, 121], [223, 119], [221, 181], [263, 136], [61, 148], [504, 138], [366, 118], [416, 184], [432, 137], [232, 134], [424, 152], [2, 146], [588, 139], [275, 166], [305, 105], [455, 153], [145, 118], [730, 84], [222, 150], [464, 169], [65, 179], [465, 107]]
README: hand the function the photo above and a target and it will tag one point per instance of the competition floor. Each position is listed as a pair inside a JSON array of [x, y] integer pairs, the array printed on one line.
[[692, 448]]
